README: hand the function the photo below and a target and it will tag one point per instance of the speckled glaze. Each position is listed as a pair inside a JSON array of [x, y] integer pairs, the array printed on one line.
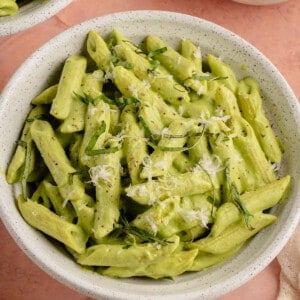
[[31, 14], [280, 103]]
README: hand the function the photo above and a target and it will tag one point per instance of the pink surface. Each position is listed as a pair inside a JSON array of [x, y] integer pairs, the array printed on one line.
[[274, 30]]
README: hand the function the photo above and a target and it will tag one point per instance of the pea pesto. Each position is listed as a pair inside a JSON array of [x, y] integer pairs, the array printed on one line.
[[146, 160]]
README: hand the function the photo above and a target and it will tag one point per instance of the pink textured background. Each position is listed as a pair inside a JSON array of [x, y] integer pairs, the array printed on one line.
[[274, 30]]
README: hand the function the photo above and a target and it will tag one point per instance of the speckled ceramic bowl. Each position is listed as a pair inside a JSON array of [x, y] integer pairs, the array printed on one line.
[[280, 104], [260, 2], [30, 14]]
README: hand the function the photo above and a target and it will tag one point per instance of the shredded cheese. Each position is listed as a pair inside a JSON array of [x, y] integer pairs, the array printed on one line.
[[203, 120], [98, 76], [200, 90], [153, 227], [276, 166], [181, 110], [100, 173], [166, 76], [109, 73], [211, 164], [147, 166], [146, 84], [197, 53], [165, 131], [162, 164], [133, 90], [201, 215]]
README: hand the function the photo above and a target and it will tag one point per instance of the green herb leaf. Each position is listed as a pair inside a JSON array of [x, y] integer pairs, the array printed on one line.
[[151, 54], [122, 101], [71, 175], [154, 65], [207, 77], [127, 65], [94, 152], [106, 99], [89, 148], [168, 149], [95, 136], [27, 148], [143, 235], [179, 136], [85, 98], [148, 132], [235, 197]]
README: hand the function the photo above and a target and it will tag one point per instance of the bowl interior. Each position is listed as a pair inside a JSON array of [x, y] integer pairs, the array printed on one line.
[[30, 14], [280, 104]]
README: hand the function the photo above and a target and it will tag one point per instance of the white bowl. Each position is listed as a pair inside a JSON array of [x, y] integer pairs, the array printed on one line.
[[31, 14], [260, 2], [280, 103]]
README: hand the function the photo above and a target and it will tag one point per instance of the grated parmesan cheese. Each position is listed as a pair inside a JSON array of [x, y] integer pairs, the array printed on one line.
[[147, 166], [211, 120], [109, 73], [133, 90], [181, 110], [197, 53], [201, 215], [276, 166], [162, 164], [165, 131], [152, 225], [98, 76], [211, 164], [200, 91], [100, 173], [166, 76], [146, 84], [92, 110]]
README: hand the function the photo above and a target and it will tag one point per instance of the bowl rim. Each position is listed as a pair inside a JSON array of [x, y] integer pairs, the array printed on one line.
[[41, 11], [223, 287]]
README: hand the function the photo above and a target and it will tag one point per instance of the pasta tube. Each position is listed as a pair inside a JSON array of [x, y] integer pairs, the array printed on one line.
[[98, 51], [70, 82], [56, 160], [160, 161], [171, 266], [48, 222], [106, 177], [131, 86], [188, 183], [160, 80], [256, 201], [135, 148], [120, 256], [173, 216], [46, 96], [178, 65], [252, 110], [234, 235], [8, 8], [204, 260], [16, 165], [219, 68]]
